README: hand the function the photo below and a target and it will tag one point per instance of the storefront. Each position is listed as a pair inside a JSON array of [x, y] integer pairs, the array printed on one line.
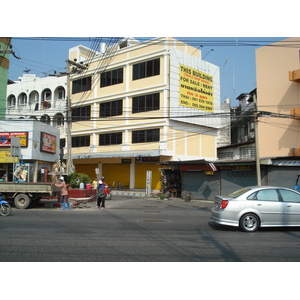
[[30, 153], [121, 170]]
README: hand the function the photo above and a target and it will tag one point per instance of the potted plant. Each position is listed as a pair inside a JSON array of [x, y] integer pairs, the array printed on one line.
[[76, 178]]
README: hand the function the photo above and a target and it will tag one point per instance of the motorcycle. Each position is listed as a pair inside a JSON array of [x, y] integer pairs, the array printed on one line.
[[5, 208], [107, 192]]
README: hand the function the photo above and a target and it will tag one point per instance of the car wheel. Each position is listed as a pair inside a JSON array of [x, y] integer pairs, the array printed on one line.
[[249, 222]]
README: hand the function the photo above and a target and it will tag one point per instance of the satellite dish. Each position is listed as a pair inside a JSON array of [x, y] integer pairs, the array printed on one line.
[[27, 70]]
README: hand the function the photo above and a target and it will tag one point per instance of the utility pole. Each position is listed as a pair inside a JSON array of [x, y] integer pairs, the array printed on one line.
[[77, 68], [258, 173]]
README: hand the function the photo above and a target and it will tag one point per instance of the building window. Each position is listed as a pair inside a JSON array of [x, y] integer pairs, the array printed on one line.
[[110, 139], [60, 93], [45, 119], [111, 77], [22, 99], [11, 101], [46, 95], [145, 103], [46, 99], [82, 113], [81, 141], [62, 143], [226, 155], [247, 152], [58, 120], [112, 108], [145, 136], [81, 85], [146, 69]]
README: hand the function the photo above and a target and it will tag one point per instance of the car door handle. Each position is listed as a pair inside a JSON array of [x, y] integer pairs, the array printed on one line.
[[259, 204], [289, 206]]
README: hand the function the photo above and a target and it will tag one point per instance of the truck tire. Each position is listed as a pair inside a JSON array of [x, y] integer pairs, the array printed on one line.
[[22, 201]]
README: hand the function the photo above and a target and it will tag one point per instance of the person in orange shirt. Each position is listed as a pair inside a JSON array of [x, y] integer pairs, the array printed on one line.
[[64, 193]]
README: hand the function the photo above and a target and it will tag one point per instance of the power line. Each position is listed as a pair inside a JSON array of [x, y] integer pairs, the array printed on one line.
[[214, 41]]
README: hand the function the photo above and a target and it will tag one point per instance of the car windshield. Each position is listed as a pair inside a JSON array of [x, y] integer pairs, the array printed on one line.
[[238, 193]]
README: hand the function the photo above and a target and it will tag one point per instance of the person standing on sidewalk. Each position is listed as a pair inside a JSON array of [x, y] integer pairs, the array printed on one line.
[[64, 193], [101, 195]]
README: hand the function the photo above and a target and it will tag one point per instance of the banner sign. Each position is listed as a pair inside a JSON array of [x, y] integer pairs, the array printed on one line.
[[5, 138], [196, 89], [48, 142], [5, 157]]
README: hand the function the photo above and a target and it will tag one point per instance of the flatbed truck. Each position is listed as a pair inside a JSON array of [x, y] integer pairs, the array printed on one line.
[[27, 194]]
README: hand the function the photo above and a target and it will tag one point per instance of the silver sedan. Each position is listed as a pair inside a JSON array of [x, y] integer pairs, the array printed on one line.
[[259, 206]]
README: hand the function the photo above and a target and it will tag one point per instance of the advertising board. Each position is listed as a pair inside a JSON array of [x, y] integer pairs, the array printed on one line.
[[5, 138], [48, 142], [196, 89]]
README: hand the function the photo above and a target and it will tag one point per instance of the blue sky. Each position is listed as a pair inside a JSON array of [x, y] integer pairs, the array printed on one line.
[[234, 55]]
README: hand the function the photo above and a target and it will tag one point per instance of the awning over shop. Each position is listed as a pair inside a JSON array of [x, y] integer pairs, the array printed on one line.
[[117, 154], [286, 163], [235, 163], [282, 161]]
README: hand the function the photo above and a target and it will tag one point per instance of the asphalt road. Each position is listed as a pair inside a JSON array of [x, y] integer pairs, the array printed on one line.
[[138, 230]]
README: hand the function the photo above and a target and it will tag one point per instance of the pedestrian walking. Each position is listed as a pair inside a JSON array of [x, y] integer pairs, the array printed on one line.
[[64, 193], [101, 195], [95, 183]]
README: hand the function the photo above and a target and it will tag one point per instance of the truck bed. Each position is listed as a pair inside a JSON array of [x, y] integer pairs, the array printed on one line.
[[25, 187]]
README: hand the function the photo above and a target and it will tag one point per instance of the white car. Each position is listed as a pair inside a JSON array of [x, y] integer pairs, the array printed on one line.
[[258, 206]]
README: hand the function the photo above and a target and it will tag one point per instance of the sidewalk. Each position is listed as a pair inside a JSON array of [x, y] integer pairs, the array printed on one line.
[[127, 195]]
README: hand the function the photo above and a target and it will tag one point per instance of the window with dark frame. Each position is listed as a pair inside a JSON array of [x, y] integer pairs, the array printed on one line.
[[114, 138], [145, 103], [146, 69], [62, 143], [111, 108], [82, 113], [82, 85], [111, 77], [80, 141], [145, 136]]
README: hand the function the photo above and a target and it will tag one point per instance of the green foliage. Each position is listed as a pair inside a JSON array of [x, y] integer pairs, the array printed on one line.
[[75, 179]]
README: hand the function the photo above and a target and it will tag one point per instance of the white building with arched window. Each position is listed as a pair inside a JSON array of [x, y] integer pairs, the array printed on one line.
[[43, 99]]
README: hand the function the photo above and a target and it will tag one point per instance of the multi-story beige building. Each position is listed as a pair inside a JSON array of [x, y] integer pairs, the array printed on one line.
[[139, 104], [278, 98], [275, 133]]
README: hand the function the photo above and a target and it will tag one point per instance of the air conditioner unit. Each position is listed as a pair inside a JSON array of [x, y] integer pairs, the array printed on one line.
[[252, 135]]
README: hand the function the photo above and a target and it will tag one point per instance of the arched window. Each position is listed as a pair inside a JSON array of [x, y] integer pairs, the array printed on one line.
[[11, 101], [22, 99], [45, 119], [33, 98], [60, 93], [46, 99], [58, 120]]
